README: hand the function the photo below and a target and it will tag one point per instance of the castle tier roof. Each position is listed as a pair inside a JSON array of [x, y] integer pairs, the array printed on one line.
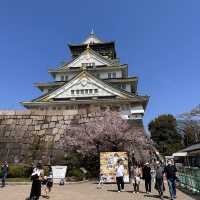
[[60, 94], [132, 80], [96, 44]]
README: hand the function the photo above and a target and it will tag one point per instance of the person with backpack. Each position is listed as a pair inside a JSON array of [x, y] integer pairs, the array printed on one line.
[[159, 184]]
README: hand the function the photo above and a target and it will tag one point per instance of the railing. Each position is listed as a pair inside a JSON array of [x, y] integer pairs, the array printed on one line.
[[189, 178]]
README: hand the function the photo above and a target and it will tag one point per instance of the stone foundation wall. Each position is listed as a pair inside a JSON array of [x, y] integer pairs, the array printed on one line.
[[31, 135]]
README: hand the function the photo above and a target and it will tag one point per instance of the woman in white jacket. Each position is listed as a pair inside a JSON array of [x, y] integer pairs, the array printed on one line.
[[120, 175]]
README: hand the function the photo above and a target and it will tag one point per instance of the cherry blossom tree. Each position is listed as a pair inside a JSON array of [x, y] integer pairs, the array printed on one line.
[[109, 132]]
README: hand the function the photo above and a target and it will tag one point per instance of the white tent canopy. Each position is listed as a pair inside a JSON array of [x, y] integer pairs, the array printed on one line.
[[179, 154]]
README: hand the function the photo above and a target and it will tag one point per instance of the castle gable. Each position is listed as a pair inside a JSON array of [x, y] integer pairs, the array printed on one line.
[[89, 58], [84, 85]]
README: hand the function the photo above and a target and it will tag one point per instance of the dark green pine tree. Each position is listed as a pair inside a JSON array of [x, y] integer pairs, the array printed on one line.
[[164, 134]]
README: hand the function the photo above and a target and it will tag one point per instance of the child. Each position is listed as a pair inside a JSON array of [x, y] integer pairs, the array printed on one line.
[[47, 185], [102, 179], [136, 174]]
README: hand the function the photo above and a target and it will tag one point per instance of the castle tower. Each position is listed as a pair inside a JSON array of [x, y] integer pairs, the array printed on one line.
[[93, 79]]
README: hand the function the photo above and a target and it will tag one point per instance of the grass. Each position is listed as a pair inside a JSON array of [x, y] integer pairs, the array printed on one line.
[[18, 180]]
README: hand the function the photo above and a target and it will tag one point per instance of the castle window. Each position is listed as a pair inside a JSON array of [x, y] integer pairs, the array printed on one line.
[[88, 64], [90, 91], [86, 91], [123, 86], [114, 75], [109, 75], [66, 78], [62, 78], [72, 91], [95, 90], [82, 91], [77, 91]]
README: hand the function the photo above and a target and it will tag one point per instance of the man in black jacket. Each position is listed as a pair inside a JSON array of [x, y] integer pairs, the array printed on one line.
[[170, 173], [147, 177]]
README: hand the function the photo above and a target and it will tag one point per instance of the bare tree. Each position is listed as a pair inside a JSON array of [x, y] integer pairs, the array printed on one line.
[[189, 126]]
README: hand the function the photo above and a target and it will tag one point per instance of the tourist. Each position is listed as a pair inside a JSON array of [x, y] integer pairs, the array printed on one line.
[[136, 176], [159, 184], [170, 173], [4, 169], [36, 178], [102, 179], [47, 183], [120, 175], [147, 177]]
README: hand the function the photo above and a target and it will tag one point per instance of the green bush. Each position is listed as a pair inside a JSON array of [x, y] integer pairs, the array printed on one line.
[[75, 172], [19, 171]]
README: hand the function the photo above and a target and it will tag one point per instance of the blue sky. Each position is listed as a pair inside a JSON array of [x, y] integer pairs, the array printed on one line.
[[160, 40]]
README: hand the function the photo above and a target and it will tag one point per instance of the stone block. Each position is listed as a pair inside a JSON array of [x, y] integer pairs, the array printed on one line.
[[28, 121], [55, 131], [56, 138], [22, 112], [52, 125], [61, 122], [66, 117], [60, 118], [37, 117], [58, 125], [7, 133], [54, 118], [45, 126], [41, 132], [67, 122], [31, 128], [9, 121], [37, 127], [7, 112]]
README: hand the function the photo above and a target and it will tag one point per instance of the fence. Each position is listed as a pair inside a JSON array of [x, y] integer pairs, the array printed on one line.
[[189, 178]]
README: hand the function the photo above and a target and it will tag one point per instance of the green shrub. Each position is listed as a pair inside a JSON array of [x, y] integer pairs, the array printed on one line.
[[19, 171], [75, 172]]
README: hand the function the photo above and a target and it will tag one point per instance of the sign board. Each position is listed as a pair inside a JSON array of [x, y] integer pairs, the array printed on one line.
[[108, 164], [59, 173]]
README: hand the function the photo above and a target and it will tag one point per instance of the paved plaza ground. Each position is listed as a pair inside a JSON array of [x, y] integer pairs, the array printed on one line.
[[86, 191]]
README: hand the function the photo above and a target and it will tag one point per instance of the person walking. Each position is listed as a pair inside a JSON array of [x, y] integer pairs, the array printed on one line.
[[159, 184], [136, 176], [4, 171], [147, 177], [170, 173], [36, 177], [120, 175]]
